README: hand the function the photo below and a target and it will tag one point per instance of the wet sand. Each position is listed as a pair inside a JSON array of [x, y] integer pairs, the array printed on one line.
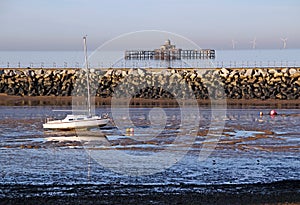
[[283, 192], [8, 100], [266, 143]]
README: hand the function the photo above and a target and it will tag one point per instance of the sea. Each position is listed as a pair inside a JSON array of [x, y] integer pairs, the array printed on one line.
[[107, 59], [159, 150]]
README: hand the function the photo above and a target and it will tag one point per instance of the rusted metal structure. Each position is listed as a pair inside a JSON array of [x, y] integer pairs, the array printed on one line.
[[169, 52]]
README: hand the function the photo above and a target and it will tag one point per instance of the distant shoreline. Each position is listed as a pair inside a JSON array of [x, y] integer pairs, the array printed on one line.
[[9, 100]]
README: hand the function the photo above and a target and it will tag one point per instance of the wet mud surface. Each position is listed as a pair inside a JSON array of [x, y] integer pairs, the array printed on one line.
[[283, 192], [255, 158]]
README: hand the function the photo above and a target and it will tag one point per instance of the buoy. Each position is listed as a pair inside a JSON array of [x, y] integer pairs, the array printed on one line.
[[129, 130], [273, 112], [261, 113]]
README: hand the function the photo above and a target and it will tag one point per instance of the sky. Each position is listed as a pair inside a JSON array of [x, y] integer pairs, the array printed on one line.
[[60, 24]]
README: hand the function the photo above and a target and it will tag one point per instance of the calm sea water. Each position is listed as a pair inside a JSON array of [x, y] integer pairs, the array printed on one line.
[[225, 58]]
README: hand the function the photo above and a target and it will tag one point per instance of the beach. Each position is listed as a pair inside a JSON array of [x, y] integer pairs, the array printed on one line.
[[284, 192], [175, 136], [197, 146], [11, 100], [254, 162]]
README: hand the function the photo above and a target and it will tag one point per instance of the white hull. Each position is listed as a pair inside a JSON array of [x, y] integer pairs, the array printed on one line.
[[76, 122]]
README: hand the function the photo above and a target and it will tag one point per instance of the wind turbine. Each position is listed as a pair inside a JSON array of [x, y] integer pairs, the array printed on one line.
[[284, 40], [253, 43], [233, 43]]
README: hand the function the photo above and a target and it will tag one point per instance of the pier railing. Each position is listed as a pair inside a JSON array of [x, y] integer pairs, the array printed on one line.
[[156, 64]]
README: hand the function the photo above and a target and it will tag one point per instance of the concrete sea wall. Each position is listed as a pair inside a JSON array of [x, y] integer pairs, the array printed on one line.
[[251, 83]]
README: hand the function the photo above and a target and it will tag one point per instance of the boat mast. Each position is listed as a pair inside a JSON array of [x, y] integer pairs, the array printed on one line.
[[87, 76]]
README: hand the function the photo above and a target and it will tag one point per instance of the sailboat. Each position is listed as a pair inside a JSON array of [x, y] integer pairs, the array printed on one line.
[[82, 121]]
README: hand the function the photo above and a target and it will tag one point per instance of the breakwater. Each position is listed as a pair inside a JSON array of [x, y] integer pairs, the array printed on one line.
[[251, 83]]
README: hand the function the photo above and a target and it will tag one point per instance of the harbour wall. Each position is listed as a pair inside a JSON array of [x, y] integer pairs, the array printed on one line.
[[230, 83]]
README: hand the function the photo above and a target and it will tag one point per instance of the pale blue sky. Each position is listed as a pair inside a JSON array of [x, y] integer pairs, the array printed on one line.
[[60, 24]]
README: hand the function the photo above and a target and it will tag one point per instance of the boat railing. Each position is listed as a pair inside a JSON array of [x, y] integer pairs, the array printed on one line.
[[48, 119]]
